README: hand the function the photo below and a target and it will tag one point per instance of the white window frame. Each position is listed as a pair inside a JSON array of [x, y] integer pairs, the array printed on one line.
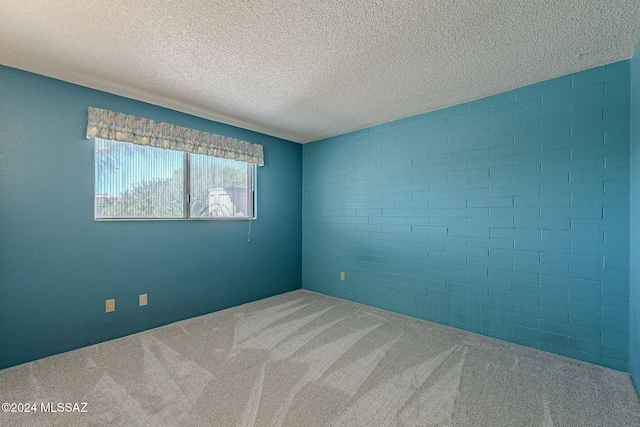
[[251, 194]]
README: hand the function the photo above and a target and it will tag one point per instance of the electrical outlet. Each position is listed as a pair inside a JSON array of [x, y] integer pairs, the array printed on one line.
[[342, 275], [110, 305], [142, 299]]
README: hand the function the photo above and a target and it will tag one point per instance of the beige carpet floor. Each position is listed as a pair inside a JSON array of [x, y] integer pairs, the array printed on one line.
[[304, 359]]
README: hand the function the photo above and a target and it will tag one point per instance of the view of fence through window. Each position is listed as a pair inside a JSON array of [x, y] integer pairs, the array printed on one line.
[[140, 182]]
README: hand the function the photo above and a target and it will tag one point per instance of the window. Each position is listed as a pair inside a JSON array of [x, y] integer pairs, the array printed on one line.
[[153, 170], [143, 182]]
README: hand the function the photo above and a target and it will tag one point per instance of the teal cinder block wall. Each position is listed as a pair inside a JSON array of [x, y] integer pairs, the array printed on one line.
[[507, 216], [634, 353], [58, 266]]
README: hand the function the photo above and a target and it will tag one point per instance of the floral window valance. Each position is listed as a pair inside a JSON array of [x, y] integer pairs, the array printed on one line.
[[123, 127]]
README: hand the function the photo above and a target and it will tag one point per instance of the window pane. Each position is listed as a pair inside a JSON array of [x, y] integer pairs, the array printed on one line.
[[134, 181], [220, 188]]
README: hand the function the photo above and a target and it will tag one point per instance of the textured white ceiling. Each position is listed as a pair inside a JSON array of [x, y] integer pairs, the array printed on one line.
[[306, 70]]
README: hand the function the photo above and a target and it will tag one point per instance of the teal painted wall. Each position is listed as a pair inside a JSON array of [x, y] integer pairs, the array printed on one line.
[[58, 266], [506, 216], [634, 348]]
